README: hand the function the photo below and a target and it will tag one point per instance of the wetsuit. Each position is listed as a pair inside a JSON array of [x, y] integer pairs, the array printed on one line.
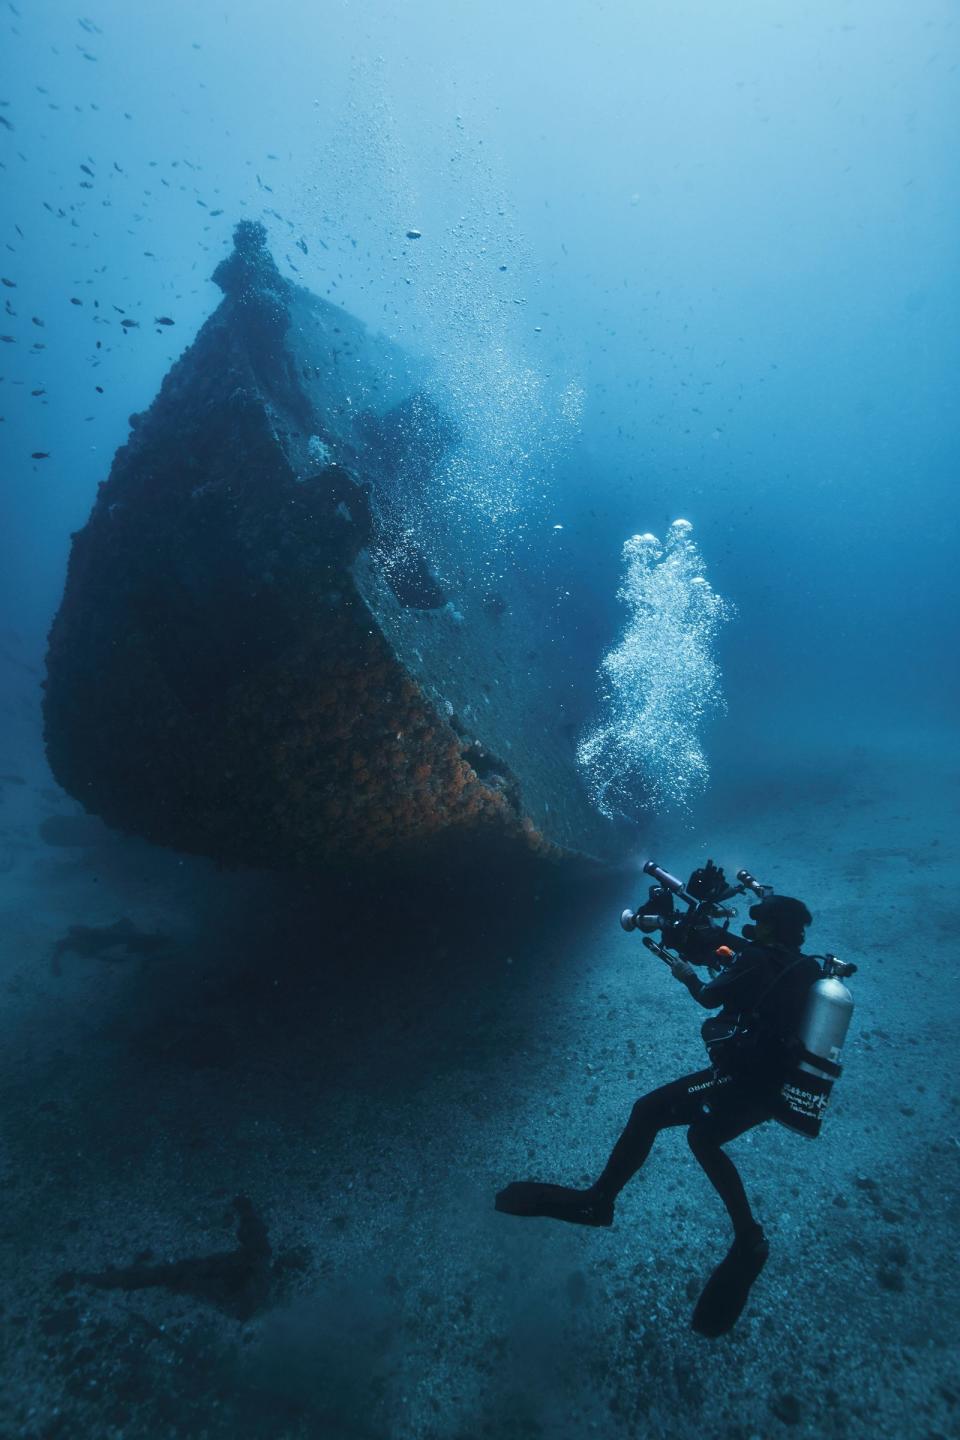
[[759, 996], [719, 1104]]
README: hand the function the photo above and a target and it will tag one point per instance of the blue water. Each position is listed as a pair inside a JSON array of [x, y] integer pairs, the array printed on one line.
[[660, 260]]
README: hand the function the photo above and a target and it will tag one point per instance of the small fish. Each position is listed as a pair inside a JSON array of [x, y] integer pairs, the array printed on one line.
[[37, 321], [414, 234], [38, 392], [87, 171], [99, 389], [8, 339], [40, 455], [10, 284], [302, 245], [119, 311], [130, 324], [216, 212], [75, 301], [86, 185], [163, 320], [5, 122]]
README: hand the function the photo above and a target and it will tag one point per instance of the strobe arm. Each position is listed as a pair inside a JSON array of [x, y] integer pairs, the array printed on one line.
[[668, 881], [638, 920], [749, 882]]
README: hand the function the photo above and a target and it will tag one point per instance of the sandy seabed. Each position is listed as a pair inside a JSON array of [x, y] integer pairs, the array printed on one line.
[[249, 1159]]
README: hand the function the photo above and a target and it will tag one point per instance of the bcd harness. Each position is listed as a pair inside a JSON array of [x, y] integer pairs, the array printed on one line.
[[733, 1040]]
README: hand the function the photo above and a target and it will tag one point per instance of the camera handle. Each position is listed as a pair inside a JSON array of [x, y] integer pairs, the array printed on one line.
[[670, 959], [658, 950]]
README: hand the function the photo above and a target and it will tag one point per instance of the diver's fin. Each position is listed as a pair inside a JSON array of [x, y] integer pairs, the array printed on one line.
[[725, 1293], [533, 1197]]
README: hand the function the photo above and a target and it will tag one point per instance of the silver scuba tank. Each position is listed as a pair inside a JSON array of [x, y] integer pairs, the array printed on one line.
[[821, 1033]]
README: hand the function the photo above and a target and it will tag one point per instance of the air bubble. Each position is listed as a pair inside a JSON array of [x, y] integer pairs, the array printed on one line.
[[659, 683]]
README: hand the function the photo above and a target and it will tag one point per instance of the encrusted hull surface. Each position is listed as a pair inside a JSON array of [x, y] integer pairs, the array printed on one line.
[[226, 674]]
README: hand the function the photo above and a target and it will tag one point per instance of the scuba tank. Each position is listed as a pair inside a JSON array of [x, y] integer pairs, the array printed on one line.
[[805, 1092]]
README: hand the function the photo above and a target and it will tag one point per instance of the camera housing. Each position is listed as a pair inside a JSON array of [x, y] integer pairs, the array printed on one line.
[[694, 933]]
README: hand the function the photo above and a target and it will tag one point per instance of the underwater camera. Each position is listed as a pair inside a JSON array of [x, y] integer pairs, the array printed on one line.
[[691, 933], [696, 936]]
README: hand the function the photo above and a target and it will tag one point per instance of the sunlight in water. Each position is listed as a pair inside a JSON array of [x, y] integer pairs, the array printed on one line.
[[658, 683]]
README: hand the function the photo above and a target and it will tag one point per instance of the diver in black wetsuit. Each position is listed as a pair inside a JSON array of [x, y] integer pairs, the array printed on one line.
[[759, 995]]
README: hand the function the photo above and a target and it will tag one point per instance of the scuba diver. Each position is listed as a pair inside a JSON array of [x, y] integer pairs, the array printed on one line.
[[773, 1052]]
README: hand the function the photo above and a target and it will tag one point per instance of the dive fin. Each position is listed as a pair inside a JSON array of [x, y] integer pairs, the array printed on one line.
[[725, 1293], [558, 1202]]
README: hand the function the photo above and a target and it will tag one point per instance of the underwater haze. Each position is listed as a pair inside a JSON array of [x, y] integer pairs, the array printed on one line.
[[683, 275]]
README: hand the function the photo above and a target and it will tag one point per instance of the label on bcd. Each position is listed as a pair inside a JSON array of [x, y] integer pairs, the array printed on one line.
[[803, 1101]]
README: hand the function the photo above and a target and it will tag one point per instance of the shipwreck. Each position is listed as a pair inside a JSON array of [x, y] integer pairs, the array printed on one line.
[[245, 666]]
